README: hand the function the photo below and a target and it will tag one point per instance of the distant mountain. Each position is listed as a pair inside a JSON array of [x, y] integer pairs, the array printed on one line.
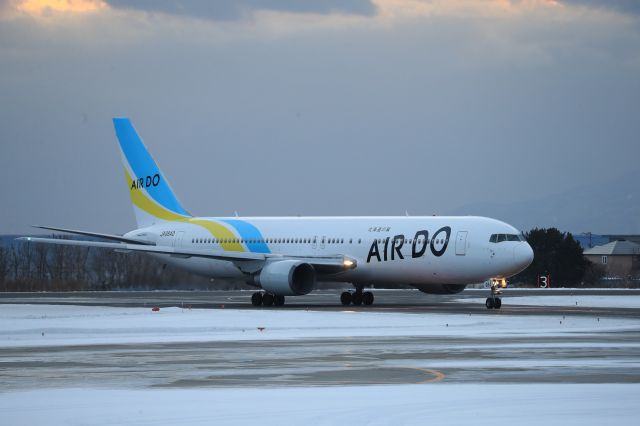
[[608, 208]]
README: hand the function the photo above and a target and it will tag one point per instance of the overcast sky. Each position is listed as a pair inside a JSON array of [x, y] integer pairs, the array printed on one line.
[[340, 107]]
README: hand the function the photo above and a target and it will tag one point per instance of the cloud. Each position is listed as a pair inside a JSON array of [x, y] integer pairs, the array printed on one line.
[[226, 10], [415, 109], [46, 7], [624, 6]]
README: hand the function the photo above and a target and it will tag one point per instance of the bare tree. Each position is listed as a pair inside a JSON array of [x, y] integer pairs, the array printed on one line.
[[4, 268]]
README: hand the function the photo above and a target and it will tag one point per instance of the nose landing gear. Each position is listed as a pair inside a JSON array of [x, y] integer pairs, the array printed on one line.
[[493, 301]]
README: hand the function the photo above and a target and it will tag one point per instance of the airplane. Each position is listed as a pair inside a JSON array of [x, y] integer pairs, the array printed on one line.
[[288, 256]]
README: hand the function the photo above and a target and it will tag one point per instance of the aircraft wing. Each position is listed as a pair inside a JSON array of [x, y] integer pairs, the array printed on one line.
[[128, 247], [112, 237], [335, 263]]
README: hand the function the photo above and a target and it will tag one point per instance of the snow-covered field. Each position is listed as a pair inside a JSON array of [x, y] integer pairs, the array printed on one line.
[[50, 326], [578, 300], [438, 404], [53, 325]]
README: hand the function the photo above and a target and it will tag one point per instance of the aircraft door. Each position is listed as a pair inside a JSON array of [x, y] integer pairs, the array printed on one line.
[[314, 244], [177, 240], [322, 241], [461, 243]]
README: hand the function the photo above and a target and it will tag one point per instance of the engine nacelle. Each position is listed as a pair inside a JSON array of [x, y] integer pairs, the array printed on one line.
[[442, 288], [287, 278]]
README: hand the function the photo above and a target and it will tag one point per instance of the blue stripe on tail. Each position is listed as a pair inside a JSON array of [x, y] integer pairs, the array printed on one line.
[[144, 167]]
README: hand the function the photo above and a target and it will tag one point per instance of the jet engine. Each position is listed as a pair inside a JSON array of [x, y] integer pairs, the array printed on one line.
[[442, 288], [287, 278]]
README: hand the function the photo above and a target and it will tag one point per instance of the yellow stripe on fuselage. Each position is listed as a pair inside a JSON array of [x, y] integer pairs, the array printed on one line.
[[218, 231]]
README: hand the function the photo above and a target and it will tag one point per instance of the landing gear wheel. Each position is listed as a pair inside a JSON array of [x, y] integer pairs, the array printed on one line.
[[267, 299], [367, 298], [256, 299], [356, 298], [489, 303], [345, 298], [493, 301], [278, 300]]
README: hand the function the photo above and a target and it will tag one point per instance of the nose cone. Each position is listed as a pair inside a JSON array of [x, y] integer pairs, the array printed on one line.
[[523, 255]]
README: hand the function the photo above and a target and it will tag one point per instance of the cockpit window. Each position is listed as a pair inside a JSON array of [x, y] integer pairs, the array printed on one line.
[[498, 238]]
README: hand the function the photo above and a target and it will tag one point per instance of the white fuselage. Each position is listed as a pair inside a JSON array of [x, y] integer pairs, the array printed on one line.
[[417, 251]]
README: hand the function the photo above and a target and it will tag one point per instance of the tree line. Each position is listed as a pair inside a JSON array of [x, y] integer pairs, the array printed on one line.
[[50, 267], [558, 255]]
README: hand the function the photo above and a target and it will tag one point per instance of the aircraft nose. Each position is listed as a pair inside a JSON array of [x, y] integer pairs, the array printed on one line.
[[523, 255]]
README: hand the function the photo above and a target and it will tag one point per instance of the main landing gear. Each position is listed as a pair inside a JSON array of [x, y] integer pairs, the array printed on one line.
[[493, 301], [358, 297], [260, 298]]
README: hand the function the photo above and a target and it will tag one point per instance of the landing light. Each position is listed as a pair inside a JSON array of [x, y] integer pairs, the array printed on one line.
[[348, 263], [499, 282]]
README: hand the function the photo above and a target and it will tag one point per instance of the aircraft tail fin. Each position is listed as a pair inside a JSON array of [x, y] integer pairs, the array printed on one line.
[[152, 198]]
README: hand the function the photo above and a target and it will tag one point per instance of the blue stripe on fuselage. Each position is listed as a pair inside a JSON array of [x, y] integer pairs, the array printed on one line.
[[249, 232]]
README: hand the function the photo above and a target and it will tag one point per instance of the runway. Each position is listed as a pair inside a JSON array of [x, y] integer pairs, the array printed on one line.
[[454, 339], [202, 348], [409, 301]]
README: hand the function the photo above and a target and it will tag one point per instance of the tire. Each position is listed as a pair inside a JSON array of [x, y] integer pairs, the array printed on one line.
[[497, 303], [278, 301], [367, 298], [489, 303], [356, 298], [256, 299], [345, 298], [268, 299]]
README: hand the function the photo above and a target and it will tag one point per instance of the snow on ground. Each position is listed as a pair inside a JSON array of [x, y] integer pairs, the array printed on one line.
[[49, 325], [626, 301], [437, 404]]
